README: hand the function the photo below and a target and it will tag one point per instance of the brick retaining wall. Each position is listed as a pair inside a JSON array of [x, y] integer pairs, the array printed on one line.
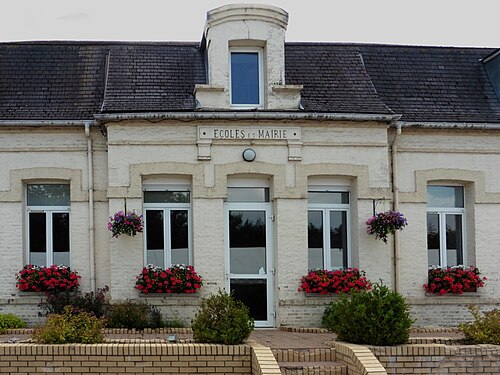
[[23, 359], [439, 359]]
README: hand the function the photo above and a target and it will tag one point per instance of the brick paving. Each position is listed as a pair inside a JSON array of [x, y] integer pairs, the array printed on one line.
[[273, 338]]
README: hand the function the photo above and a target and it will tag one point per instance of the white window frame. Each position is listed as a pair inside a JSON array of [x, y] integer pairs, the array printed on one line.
[[326, 208], [442, 212], [259, 52], [167, 208], [48, 211]]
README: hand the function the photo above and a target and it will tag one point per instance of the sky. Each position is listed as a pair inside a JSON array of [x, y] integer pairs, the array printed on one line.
[[422, 22]]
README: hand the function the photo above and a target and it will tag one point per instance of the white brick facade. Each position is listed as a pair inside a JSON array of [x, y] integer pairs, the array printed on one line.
[[357, 150]]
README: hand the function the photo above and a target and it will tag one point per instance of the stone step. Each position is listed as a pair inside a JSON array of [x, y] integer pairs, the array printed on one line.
[[304, 355], [312, 368]]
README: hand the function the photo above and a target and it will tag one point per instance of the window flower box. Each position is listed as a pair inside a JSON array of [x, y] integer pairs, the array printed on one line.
[[47, 279], [455, 280], [338, 281], [384, 223], [125, 223], [176, 279]]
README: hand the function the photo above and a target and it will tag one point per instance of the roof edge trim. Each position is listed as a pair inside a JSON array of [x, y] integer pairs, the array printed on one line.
[[47, 122], [450, 125], [192, 116]]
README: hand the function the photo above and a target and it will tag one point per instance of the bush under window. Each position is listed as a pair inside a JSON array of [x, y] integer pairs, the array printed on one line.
[[9, 321], [377, 317], [485, 329], [72, 326], [222, 319]]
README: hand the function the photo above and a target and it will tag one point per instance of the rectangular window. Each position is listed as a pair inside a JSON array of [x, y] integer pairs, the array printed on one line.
[[445, 226], [328, 230], [48, 232], [246, 77], [167, 227]]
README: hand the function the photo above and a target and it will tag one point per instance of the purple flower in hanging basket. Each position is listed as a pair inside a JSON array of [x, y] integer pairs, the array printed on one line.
[[129, 223], [384, 223]]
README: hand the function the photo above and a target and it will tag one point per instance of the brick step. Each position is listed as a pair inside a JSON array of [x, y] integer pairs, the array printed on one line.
[[304, 355], [312, 368]]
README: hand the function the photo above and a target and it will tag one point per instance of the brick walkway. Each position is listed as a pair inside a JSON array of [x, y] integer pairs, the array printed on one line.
[[273, 338], [277, 339]]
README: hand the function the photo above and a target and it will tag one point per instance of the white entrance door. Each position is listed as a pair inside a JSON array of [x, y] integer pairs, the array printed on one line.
[[249, 258]]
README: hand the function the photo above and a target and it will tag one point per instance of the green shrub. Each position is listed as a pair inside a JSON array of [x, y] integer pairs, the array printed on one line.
[[222, 319], [11, 321], [94, 303], [485, 329], [134, 315], [70, 327], [378, 317]]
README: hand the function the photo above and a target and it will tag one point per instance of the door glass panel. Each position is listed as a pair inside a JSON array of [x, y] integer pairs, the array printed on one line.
[[249, 195], [48, 195], [433, 255], [166, 197], [338, 239], [328, 197], [38, 238], [179, 236], [253, 293], [60, 237], [454, 240], [315, 239], [247, 242], [154, 237]]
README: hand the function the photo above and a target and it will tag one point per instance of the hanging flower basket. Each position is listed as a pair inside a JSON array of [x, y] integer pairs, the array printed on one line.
[[384, 223], [125, 223], [47, 279], [176, 279], [338, 281], [455, 280]]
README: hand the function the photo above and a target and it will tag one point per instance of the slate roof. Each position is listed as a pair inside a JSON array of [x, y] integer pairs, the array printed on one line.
[[75, 80], [51, 80]]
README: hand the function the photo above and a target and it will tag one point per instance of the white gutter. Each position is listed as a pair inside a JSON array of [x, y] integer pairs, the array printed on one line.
[[395, 202], [44, 122], [90, 184], [245, 115], [450, 125]]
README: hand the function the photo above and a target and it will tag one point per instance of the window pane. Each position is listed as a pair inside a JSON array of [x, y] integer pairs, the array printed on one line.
[[245, 78], [154, 229], [248, 195], [247, 242], [454, 252], [433, 255], [60, 237], [328, 197], [445, 196], [315, 239], [179, 236], [38, 238], [166, 197], [48, 195], [338, 239]]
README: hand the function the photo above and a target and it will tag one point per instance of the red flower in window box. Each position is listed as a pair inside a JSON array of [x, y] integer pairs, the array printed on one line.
[[176, 279], [338, 281], [455, 280], [47, 279]]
